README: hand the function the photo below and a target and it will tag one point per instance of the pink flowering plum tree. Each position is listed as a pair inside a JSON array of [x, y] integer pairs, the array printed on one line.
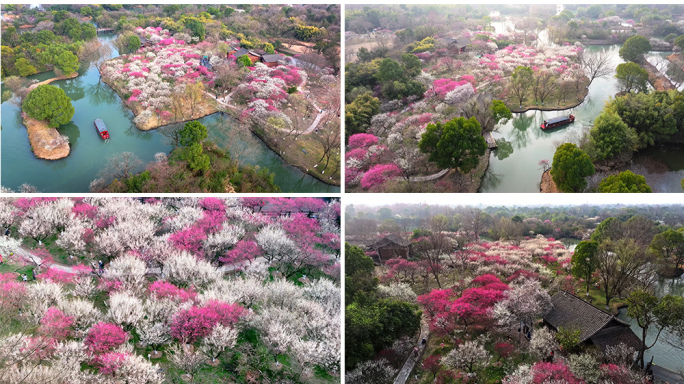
[[56, 324], [195, 323], [104, 337], [380, 174]]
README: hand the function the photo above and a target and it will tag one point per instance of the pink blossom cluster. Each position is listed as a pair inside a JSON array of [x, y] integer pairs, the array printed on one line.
[[194, 323], [110, 362], [12, 292], [56, 324], [103, 337], [379, 174], [152, 73], [443, 86], [56, 276], [446, 309], [162, 289], [24, 203], [266, 89]]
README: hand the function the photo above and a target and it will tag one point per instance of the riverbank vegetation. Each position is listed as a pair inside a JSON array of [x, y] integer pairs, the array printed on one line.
[[56, 40], [195, 165], [178, 63], [170, 290], [492, 285], [431, 70], [628, 123]]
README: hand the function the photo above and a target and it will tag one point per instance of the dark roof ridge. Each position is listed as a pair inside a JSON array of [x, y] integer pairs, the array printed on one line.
[[568, 293]]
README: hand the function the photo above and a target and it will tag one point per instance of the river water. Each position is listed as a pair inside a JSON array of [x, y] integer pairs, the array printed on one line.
[[513, 167], [663, 353], [522, 144], [93, 99]]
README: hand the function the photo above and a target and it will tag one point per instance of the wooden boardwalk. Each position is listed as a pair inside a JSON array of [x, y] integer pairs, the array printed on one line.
[[491, 143], [664, 375]]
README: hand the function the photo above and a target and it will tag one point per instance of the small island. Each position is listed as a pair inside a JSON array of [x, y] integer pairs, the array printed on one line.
[[411, 89], [262, 79], [416, 74]]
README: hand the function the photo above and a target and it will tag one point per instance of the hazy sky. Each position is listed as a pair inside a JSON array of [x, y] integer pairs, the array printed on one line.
[[513, 198]]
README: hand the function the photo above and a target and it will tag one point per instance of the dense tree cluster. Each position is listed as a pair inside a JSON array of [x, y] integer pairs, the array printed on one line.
[[372, 323], [177, 282], [570, 168], [47, 102], [43, 48], [483, 300], [635, 121]]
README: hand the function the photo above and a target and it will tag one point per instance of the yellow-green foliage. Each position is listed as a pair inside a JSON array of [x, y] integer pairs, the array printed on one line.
[[426, 44], [306, 32]]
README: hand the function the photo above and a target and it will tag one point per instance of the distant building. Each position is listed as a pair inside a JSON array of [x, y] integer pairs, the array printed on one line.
[[390, 247], [271, 59], [145, 42], [458, 45], [596, 326], [237, 52]]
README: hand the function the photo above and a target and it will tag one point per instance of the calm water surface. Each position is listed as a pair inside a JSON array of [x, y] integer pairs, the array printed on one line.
[[663, 353], [93, 99], [522, 144]]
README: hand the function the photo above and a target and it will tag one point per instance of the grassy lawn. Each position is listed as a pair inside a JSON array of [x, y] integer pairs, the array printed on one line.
[[302, 153], [58, 254], [551, 103]]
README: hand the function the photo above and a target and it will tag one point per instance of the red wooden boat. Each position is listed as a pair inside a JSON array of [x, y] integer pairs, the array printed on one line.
[[101, 129], [557, 122]]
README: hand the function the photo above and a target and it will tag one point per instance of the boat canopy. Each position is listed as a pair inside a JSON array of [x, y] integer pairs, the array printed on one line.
[[557, 119], [100, 125]]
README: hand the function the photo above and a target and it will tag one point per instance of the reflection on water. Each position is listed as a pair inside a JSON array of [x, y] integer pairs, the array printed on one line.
[[667, 68], [664, 354], [93, 99], [519, 170], [504, 148]]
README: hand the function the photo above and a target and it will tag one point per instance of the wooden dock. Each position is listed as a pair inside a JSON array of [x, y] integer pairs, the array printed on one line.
[[491, 143]]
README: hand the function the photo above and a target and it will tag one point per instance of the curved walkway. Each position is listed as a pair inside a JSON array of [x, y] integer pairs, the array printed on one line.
[[435, 176], [321, 112], [412, 359]]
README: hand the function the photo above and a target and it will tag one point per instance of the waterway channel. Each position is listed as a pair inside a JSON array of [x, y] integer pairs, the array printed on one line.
[[514, 165], [663, 353], [93, 99]]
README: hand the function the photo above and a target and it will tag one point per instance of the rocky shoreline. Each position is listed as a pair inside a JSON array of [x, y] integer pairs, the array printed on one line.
[[46, 142], [547, 185]]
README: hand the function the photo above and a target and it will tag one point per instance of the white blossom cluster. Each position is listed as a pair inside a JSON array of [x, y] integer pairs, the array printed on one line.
[[301, 321], [150, 76]]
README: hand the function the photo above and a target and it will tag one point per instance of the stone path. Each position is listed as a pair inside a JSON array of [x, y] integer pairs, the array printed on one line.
[[436, 176], [24, 253], [321, 113], [315, 123], [412, 359]]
